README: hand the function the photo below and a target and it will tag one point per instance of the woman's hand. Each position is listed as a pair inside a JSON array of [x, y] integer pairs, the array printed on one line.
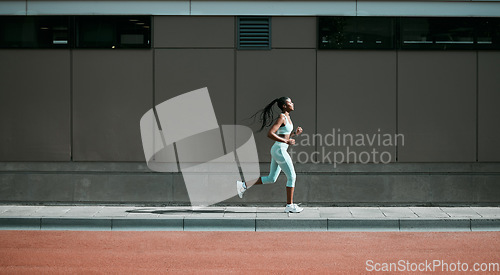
[[290, 141], [298, 131]]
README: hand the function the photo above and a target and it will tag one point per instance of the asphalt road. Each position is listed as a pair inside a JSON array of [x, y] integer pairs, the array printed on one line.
[[98, 252]]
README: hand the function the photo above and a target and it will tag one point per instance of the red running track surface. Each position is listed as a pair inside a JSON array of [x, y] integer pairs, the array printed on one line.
[[99, 252]]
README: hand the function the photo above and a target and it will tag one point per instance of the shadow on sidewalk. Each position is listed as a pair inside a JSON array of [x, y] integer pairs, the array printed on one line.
[[175, 211]]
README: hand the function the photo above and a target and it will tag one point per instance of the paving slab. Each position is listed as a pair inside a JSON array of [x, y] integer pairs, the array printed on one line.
[[307, 213], [335, 212], [462, 212], [21, 211], [270, 210], [271, 213], [487, 212], [4, 208], [364, 212], [398, 212], [240, 212], [160, 212], [87, 211], [205, 212], [52, 211], [215, 209], [429, 212], [242, 209], [144, 216], [112, 212]]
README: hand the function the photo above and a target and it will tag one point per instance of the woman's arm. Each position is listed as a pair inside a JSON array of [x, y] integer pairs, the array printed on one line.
[[297, 132], [272, 132]]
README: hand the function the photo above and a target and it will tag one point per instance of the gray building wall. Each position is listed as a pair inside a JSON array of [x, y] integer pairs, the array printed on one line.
[[70, 118], [111, 91], [488, 111]]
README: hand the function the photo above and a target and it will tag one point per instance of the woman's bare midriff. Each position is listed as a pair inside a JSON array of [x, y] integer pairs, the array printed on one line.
[[284, 136]]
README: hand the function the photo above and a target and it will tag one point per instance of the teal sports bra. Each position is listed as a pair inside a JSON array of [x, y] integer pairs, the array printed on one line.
[[285, 130]]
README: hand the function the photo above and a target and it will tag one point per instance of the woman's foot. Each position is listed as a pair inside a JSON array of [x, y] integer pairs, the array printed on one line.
[[294, 208], [241, 188]]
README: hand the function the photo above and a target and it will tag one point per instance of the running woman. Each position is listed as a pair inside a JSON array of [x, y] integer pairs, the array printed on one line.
[[281, 133]]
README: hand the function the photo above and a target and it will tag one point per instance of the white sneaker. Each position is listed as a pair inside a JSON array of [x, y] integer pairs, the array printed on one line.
[[240, 188], [294, 208]]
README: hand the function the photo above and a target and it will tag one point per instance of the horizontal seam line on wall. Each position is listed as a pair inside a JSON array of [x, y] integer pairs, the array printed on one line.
[[194, 48], [298, 172], [403, 173], [85, 172], [210, 48]]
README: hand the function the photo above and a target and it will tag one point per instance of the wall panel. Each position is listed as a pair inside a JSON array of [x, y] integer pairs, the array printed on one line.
[[357, 105], [194, 31], [179, 71], [35, 105], [437, 106], [489, 111], [111, 92], [294, 32]]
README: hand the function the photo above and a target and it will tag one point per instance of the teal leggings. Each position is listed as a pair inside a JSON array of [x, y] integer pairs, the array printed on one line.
[[280, 160]]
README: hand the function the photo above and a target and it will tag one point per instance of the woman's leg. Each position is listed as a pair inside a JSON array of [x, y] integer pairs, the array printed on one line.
[[250, 183], [285, 163], [289, 195], [274, 172], [289, 190]]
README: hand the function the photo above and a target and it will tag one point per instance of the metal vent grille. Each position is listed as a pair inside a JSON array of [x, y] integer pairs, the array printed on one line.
[[254, 33]]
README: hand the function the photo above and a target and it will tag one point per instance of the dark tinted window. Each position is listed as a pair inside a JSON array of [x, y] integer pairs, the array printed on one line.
[[487, 33], [356, 32], [113, 32], [437, 33], [75, 31], [34, 32], [409, 33]]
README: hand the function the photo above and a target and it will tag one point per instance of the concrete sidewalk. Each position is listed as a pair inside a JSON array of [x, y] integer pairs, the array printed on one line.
[[92, 217]]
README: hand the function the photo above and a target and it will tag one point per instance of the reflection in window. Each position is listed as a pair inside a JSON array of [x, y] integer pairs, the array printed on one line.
[[375, 32], [488, 33], [409, 33], [34, 32], [75, 31], [437, 33], [356, 32], [113, 32]]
